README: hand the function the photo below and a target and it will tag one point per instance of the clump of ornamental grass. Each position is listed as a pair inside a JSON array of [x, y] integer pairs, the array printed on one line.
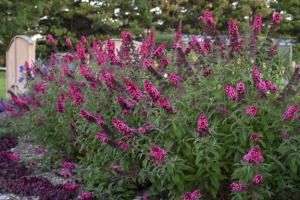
[[210, 119]]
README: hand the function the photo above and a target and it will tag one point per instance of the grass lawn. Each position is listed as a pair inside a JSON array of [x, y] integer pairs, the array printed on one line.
[[2, 84]]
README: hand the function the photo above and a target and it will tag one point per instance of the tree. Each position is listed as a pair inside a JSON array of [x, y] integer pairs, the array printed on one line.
[[190, 10], [73, 19], [244, 12], [290, 22], [290, 17], [17, 17]]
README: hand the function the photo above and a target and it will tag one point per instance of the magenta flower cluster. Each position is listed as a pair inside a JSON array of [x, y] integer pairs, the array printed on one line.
[[254, 156], [122, 127], [192, 195], [202, 126], [291, 113], [158, 155], [239, 187]]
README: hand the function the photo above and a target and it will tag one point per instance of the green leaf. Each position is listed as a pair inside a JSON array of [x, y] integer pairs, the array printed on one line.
[[216, 168], [270, 137], [216, 154], [294, 147], [158, 185], [170, 185], [236, 157], [130, 185], [214, 181], [190, 178], [180, 187], [170, 169], [177, 131], [151, 178], [119, 189], [293, 165], [198, 159], [175, 178], [243, 138], [167, 142], [280, 164], [214, 192]]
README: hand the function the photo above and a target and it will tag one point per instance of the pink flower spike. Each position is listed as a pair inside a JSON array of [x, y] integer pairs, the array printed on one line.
[[192, 195], [202, 126], [285, 135], [251, 111], [262, 87], [291, 113], [143, 50], [14, 157], [270, 86], [151, 90], [50, 38], [86, 195], [41, 121], [258, 179], [222, 110], [123, 145], [122, 127], [103, 137], [141, 130], [60, 106], [116, 167], [69, 42], [256, 76], [146, 197], [240, 87], [39, 151], [254, 156], [33, 164], [133, 90], [72, 186], [257, 24], [148, 126], [276, 18], [84, 40], [68, 165], [232, 94], [158, 155], [238, 187], [254, 136], [66, 174]]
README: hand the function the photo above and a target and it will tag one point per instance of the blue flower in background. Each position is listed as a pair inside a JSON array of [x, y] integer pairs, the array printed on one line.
[[21, 68], [71, 66], [45, 70], [20, 79], [1, 109]]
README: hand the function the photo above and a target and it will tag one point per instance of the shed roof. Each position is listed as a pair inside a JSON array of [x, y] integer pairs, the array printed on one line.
[[28, 39]]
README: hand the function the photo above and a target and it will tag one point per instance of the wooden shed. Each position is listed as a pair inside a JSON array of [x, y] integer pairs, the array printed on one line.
[[20, 49], [118, 43]]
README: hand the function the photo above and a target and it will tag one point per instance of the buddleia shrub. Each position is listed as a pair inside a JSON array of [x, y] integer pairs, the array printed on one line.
[[213, 119]]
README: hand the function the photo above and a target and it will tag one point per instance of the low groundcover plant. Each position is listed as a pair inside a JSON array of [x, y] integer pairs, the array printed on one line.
[[207, 119]]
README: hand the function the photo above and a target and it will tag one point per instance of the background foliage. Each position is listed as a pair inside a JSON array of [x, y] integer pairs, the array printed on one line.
[[76, 18]]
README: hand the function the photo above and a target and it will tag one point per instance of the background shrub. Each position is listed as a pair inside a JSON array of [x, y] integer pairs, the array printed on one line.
[[215, 116]]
